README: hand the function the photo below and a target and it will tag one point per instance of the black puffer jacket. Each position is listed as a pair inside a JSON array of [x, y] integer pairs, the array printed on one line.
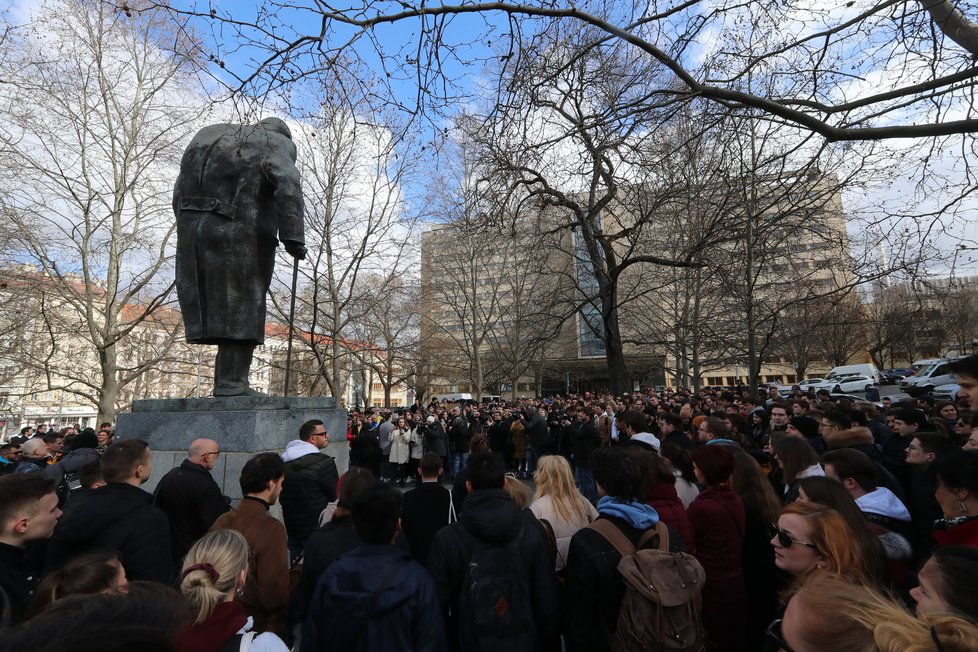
[[192, 501], [117, 517], [310, 485], [494, 519]]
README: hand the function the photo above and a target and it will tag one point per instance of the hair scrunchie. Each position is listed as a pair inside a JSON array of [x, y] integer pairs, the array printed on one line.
[[207, 568]]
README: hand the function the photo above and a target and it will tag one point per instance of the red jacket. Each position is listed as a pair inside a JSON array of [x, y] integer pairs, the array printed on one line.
[[665, 500], [717, 516]]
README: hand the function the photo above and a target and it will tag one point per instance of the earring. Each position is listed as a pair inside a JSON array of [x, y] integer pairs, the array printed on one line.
[[240, 591], [962, 507]]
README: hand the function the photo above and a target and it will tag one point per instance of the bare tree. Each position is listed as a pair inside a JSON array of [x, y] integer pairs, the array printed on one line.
[[919, 54], [388, 336], [841, 330], [357, 225], [95, 111]]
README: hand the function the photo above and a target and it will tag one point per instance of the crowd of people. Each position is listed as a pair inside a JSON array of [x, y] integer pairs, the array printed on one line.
[[656, 520]]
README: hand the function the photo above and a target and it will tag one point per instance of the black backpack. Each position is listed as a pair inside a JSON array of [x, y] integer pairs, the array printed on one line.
[[495, 611]]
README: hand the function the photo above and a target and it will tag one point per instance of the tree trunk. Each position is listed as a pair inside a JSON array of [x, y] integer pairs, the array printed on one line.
[[618, 380], [110, 384]]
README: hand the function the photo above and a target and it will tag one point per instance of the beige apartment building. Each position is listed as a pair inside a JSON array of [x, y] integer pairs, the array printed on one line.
[[674, 322]]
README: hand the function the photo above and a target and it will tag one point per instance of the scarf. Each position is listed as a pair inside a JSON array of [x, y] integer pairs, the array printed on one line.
[[227, 620]]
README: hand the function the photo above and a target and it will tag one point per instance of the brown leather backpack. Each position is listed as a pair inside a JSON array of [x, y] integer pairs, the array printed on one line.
[[662, 607]]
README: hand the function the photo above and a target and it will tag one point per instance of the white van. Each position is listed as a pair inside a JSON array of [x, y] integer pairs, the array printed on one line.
[[928, 378], [453, 398], [868, 370]]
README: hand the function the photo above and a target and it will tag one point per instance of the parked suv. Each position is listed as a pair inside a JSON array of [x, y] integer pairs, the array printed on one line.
[[928, 378]]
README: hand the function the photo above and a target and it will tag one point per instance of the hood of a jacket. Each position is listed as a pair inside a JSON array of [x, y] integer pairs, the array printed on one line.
[[93, 511], [491, 515], [296, 449], [884, 502], [352, 589]]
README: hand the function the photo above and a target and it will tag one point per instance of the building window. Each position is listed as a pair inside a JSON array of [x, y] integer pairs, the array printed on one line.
[[589, 332], [589, 323], [522, 387]]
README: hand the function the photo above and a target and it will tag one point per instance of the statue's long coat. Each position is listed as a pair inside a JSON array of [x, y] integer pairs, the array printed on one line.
[[238, 189]]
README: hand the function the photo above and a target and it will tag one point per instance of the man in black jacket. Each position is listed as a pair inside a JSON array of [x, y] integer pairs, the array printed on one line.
[[310, 484], [538, 435], [582, 438], [491, 520], [458, 438], [190, 497], [426, 509], [28, 512], [118, 516]]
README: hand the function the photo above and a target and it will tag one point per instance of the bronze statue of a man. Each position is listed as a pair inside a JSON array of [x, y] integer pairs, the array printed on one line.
[[237, 193]]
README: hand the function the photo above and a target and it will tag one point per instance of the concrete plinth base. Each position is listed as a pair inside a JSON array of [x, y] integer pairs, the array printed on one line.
[[242, 426]]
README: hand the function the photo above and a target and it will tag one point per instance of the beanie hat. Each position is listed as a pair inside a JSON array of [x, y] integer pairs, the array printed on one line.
[[806, 426]]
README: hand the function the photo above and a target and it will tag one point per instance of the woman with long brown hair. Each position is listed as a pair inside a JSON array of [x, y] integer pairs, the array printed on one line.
[[797, 460], [761, 577]]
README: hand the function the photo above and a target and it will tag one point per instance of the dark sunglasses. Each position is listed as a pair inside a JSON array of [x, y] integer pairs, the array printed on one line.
[[784, 539], [774, 633]]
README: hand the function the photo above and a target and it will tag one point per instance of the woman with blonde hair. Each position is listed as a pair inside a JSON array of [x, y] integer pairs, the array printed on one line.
[[214, 571], [831, 613], [559, 503]]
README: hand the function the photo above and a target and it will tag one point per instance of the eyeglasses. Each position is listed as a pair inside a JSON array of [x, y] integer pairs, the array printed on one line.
[[774, 632], [784, 538], [214, 453]]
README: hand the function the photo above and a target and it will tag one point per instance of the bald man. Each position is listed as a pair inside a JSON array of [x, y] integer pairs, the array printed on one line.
[[190, 497]]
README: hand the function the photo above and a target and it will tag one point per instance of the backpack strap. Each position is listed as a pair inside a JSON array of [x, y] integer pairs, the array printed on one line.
[[552, 540], [623, 545], [662, 530], [613, 535]]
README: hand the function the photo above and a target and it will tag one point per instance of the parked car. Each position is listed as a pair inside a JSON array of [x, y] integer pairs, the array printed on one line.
[[869, 370], [843, 384], [854, 398], [947, 392], [928, 378], [894, 376], [804, 385]]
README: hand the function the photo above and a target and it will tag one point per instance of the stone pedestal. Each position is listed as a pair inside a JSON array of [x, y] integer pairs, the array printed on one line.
[[242, 426]]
